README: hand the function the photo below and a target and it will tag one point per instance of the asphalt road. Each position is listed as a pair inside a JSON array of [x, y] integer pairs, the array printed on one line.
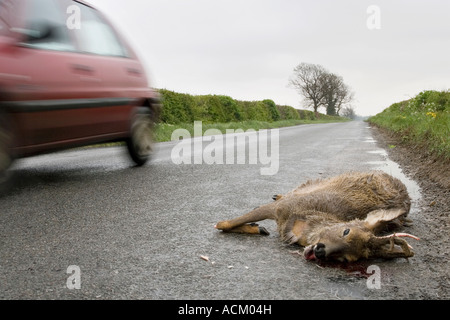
[[123, 232]]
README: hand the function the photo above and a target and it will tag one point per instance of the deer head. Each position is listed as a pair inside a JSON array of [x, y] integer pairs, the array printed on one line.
[[354, 240]]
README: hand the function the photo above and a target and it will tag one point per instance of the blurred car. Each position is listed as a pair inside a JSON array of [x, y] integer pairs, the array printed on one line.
[[67, 78]]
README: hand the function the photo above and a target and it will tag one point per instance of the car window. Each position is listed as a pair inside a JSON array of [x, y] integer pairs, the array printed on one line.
[[46, 26], [96, 36], [4, 8], [9, 13]]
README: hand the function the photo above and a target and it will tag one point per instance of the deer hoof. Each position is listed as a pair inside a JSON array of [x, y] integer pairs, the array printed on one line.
[[263, 231], [290, 238], [276, 197]]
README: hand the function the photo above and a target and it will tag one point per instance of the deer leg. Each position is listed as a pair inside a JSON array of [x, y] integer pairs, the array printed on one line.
[[405, 251], [386, 248], [407, 222], [249, 228], [287, 233], [295, 232], [244, 224]]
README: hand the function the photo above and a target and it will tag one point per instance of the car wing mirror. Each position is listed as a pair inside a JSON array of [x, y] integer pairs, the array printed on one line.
[[38, 31]]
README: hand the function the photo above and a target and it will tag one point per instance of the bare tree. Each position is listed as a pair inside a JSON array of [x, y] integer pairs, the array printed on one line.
[[308, 81], [336, 93], [321, 88], [349, 112]]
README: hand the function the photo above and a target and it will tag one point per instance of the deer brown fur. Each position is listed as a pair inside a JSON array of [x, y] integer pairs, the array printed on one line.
[[337, 218]]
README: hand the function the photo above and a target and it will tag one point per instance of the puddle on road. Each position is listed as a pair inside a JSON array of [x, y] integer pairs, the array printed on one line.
[[394, 169], [380, 152], [370, 140]]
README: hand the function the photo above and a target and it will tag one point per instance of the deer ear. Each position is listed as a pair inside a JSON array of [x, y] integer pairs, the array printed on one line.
[[377, 219]]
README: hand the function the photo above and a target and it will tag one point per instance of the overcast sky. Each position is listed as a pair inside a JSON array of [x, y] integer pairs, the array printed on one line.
[[247, 49]]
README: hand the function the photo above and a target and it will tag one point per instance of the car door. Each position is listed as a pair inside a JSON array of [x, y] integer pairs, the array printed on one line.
[[45, 79], [58, 79], [120, 72], [65, 99]]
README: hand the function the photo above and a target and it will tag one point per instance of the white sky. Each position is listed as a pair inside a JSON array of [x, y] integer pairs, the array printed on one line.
[[247, 49]]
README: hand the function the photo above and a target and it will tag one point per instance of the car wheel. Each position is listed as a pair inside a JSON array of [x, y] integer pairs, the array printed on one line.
[[140, 142]]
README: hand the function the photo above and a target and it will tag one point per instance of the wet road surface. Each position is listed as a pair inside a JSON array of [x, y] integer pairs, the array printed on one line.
[[85, 224]]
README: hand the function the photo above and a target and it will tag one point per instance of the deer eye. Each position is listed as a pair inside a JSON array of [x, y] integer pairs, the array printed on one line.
[[346, 232]]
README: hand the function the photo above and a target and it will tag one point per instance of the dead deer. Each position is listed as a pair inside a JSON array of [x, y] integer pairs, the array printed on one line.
[[337, 218]]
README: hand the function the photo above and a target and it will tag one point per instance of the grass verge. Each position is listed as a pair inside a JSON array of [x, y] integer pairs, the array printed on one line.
[[163, 131], [421, 121]]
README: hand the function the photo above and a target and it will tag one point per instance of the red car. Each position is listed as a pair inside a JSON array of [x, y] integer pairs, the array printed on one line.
[[67, 78]]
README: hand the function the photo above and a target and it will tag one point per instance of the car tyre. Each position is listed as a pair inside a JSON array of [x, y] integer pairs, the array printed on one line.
[[140, 144]]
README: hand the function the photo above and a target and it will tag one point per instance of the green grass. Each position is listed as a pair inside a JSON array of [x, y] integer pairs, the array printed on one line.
[[422, 120], [163, 131]]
